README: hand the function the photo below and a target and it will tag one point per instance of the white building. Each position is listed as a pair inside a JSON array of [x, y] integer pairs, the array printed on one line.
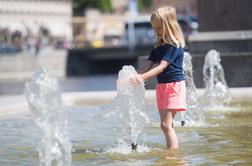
[[54, 15]]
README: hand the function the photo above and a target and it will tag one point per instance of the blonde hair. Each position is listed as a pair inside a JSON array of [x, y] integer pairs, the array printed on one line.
[[172, 33]]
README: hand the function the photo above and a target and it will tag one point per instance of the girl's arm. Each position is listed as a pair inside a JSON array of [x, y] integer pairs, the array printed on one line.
[[151, 73], [155, 71], [146, 67]]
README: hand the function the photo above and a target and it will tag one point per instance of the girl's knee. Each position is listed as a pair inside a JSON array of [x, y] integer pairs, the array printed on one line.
[[167, 127]]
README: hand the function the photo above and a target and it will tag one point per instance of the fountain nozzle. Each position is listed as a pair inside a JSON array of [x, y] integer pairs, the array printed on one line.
[[182, 123], [133, 146]]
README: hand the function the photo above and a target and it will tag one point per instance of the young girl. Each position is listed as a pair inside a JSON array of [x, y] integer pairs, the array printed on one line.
[[168, 55]]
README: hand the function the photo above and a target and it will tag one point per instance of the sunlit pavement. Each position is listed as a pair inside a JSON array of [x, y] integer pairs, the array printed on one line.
[[13, 104]]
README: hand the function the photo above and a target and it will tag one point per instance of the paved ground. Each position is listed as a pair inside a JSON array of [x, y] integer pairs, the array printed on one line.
[[12, 105], [73, 84]]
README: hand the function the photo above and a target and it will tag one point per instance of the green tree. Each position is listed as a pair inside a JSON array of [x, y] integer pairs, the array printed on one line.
[[144, 5], [79, 6]]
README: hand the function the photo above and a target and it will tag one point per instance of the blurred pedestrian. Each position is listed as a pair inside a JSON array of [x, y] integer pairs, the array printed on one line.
[[37, 46]]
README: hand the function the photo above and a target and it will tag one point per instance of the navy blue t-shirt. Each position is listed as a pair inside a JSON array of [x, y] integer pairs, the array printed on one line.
[[172, 54]]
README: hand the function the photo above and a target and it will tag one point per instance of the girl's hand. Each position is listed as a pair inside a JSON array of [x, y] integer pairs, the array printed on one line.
[[137, 80]]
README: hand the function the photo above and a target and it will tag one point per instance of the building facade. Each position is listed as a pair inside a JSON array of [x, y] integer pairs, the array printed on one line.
[[28, 16]]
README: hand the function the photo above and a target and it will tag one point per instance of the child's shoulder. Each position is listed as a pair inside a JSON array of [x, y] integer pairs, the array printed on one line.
[[174, 48], [167, 47]]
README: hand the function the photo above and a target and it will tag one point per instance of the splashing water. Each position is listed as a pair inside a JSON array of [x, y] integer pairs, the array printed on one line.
[[44, 97], [130, 105], [193, 116], [216, 90], [192, 98], [124, 148]]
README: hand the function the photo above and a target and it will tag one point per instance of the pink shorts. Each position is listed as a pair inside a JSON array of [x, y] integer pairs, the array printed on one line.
[[171, 96]]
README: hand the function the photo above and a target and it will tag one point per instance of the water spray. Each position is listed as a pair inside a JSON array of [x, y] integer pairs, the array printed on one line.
[[132, 105], [43, 94]]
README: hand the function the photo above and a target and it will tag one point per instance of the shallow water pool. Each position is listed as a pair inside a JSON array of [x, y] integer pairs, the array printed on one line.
[[225, 139]]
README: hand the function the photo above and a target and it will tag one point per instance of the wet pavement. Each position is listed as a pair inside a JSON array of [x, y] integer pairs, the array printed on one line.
[[72, 84]]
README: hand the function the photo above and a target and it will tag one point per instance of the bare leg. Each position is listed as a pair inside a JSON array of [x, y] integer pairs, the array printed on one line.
[[166, 117]]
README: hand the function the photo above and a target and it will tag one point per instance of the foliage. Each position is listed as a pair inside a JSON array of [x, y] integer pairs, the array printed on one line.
[[144, 4], [79, 6]]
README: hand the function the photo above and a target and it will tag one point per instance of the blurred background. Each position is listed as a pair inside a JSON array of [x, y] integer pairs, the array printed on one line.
[[85, 43]]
